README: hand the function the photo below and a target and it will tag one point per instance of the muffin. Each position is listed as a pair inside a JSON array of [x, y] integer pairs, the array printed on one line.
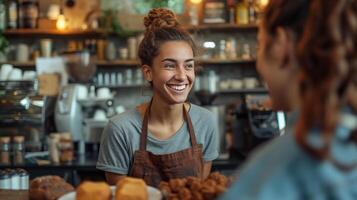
[[93, 191], [131, 189]]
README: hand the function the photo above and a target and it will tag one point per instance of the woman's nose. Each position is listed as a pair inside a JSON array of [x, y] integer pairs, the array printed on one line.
[[180, 73]]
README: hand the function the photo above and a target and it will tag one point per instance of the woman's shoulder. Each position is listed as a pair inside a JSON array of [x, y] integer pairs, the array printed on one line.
[[124, 119], [200, 111]]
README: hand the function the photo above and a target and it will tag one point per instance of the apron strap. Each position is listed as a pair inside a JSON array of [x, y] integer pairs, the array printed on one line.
[[144, 129], [190, 126]]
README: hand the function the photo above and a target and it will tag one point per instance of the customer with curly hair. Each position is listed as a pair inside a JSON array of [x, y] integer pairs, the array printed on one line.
[[308, 58]]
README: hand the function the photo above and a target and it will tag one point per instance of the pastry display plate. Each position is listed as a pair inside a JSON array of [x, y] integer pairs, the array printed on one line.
[[154, 194]]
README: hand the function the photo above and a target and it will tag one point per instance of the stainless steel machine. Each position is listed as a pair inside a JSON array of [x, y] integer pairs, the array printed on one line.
[[21, 112], [255, 123], [68, 110]]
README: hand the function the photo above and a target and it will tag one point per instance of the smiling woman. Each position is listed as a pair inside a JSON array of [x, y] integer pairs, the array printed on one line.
[[167, 137]]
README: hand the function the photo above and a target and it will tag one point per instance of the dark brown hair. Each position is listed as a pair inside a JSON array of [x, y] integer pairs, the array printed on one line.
[[328, 58], [288, 14], [161, 26]]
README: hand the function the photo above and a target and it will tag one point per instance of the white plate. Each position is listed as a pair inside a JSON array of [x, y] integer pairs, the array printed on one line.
[[154, 194]]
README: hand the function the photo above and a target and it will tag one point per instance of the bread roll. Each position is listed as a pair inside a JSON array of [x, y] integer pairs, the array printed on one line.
[[48, 188], [131, 189], [93, 191]]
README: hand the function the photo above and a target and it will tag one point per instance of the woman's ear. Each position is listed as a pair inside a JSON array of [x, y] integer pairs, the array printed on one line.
[[147, 72], [285, 47]]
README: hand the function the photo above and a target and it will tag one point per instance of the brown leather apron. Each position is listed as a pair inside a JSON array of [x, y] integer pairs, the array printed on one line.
[[155, 168]]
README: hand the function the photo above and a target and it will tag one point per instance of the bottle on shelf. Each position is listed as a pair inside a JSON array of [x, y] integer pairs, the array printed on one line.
[[242, 12], [28, 14], [12, 14], [252, 15], [2, 15]]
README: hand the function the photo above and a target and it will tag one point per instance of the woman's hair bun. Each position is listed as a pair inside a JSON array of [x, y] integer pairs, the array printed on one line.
[[160, 18]]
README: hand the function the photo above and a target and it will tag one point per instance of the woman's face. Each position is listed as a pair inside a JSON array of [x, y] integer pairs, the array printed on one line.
[[276, 63], [172, 73]]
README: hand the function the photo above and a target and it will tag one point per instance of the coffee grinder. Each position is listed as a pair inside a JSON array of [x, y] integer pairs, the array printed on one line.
[[68, 111]]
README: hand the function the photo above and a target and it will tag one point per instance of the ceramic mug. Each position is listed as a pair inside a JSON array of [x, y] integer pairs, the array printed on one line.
[[15, 75], [5, 71], [104, 93], [82, 92], [100, 114]]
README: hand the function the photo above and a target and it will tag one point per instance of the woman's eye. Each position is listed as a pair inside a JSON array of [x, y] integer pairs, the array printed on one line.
[[169, 66], [190, 66]]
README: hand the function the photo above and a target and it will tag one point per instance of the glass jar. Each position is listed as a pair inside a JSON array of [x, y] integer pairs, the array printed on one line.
[[18, 149], [29, 13], [24, 179], [53, 149], [5, 150], [5, 182], [65, 147]]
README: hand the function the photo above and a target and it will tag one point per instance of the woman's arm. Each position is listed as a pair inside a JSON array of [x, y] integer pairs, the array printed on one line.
[[207, 169], [113, 178]]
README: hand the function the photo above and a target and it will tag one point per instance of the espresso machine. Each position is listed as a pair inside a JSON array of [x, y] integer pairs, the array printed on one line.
[[68, 110], [21, 111], [255, 124]]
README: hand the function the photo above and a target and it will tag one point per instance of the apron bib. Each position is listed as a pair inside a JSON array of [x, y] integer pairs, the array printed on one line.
[[155, 168]]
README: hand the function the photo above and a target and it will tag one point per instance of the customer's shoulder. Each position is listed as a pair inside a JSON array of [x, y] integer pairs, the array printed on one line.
[[280, 152]]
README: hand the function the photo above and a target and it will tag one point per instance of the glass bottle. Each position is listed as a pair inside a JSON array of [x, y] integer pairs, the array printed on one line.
[[2, 15], [242, 14], [66, 148], [251, 12], [12, 14]]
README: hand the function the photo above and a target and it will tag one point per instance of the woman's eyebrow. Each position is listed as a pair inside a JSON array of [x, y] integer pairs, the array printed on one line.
[[173, 60]]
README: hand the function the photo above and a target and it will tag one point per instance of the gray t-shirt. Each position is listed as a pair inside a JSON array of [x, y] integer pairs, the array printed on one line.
[[121, 138]]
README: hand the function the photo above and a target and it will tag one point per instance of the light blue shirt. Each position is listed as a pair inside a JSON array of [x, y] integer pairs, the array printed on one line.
[[283, 170]]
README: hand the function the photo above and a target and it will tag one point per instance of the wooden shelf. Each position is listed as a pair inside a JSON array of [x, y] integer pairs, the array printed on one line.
[[101, 32], [52, 32], [135, 63], [20, 64], [217, 27]]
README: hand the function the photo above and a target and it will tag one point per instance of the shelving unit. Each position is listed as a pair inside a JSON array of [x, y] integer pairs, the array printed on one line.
[[102, 32], [14, 33], [220, 27], [135, 63]]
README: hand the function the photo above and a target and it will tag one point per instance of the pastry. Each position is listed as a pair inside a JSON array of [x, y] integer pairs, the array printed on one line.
[[93, 191], [48, 188], [131, 189]]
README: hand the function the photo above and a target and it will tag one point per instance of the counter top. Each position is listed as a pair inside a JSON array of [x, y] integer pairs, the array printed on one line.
[[88, 162], [14, 195]]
